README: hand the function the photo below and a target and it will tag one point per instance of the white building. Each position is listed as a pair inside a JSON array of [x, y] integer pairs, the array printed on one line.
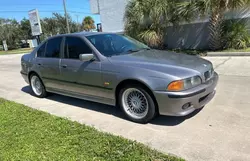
[[111, 13]]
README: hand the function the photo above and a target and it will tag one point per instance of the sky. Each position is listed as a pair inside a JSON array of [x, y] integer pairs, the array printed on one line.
[[18, 9]]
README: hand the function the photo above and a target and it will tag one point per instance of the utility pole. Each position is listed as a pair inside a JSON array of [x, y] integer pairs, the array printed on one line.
[[78, 26], [66, 16]]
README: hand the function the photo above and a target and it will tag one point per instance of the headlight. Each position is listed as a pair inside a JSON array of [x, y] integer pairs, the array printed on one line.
[[188, 83]]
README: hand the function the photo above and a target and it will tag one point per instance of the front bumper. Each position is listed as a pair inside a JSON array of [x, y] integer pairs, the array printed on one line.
[[171, 103]]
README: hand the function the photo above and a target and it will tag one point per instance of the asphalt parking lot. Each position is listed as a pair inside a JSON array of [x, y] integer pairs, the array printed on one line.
[[220, 131]]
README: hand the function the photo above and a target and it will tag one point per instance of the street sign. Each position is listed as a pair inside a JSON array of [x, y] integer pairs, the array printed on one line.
[[35, 22]]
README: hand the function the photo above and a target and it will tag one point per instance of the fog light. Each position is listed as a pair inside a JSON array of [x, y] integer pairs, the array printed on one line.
[[187, 105]]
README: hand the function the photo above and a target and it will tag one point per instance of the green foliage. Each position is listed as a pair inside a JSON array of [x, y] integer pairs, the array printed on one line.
[[151, 37], [190, 51], [193, 9], [57, 25], [88, 23], [147, 20], [25, 29], [235, 34], [28, 134], [13, 32], [10, 31], [215, 9]]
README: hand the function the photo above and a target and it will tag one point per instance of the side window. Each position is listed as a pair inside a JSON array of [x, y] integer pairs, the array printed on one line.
[[41, 50], [75, 46], [53, 48]]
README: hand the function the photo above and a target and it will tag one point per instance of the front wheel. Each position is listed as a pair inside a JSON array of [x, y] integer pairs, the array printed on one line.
[[37, 86], [137, 104]]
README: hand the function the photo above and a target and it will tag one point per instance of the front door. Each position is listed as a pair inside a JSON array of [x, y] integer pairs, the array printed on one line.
[[80, 77], [48, 58]]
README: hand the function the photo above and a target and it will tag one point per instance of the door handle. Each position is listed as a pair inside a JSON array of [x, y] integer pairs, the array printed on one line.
[[64, 66], [39, 64]]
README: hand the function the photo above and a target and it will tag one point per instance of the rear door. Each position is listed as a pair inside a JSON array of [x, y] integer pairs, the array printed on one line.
[[80, 77], [48, 62]]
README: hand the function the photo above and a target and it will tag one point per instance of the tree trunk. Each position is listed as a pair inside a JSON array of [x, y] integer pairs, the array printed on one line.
[[215, 27]]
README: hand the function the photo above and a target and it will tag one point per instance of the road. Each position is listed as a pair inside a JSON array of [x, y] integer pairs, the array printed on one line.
[[220, 131]]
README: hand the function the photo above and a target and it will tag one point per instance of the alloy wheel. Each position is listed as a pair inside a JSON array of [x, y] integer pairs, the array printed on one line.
[[36, 85], [135, 103]]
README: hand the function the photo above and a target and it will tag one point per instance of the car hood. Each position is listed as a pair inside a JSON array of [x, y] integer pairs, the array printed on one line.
[[160, 60]]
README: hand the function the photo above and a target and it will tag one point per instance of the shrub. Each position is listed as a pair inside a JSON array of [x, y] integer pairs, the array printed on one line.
[[147, 20], [235, 34]]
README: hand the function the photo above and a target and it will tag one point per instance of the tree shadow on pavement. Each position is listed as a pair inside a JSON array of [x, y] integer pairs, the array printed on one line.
[[111, 110]]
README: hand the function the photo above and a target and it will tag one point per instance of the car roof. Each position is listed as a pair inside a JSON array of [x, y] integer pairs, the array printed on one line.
[[83, 34]]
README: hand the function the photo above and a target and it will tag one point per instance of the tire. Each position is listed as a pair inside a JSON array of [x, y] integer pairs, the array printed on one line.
[[137, 112], [37, 86]]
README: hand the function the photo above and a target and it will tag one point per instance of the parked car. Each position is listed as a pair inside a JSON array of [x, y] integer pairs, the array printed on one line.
[[24, 45], [118, 70]]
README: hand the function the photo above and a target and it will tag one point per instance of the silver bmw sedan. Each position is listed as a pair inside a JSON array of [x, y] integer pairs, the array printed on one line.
[[118, 70]]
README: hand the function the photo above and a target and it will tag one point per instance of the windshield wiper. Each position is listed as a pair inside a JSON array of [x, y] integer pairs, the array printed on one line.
[[145, 49], [132, 51], [136, 50]]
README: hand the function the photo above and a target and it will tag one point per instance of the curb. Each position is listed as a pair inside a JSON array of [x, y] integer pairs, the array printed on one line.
[[211, 54]]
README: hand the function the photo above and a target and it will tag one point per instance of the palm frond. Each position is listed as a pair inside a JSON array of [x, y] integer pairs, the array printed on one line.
[[151, 37], [88, 23], [193, 9], [235, 34], [146, 19], [236, 4]]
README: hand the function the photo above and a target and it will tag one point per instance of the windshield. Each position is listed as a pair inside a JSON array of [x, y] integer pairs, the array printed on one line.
[[114, 44]]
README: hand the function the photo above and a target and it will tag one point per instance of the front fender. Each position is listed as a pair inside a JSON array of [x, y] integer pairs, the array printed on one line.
[[154, 80]]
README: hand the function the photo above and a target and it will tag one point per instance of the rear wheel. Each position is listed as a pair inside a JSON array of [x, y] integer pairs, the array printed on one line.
[[137, 104], [37, 86]]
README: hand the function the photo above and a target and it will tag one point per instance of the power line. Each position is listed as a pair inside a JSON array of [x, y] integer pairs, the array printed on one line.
[[48, 11], [23, 4], [24, 7], [80, 12], [27, 11], [36, 5]]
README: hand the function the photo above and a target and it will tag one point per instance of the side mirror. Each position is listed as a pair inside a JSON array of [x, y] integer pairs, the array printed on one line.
[[86, 57]]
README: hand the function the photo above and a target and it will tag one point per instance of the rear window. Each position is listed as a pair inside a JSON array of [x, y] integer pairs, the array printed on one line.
[[41, 50]]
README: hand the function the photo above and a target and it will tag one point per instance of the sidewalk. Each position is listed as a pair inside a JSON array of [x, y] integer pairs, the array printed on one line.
[[228, 53]]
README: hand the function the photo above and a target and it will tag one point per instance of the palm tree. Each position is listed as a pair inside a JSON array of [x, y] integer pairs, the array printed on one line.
[[147, 20], [88, 23], [191, 9]]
